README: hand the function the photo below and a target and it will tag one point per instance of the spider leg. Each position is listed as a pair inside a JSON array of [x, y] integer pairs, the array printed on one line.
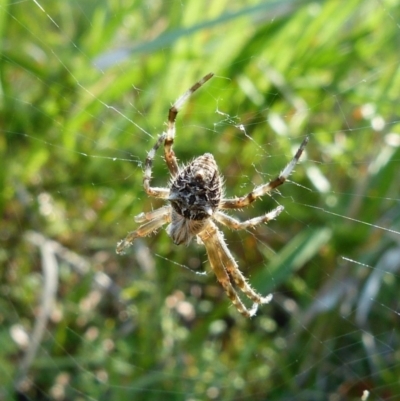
[[170, 157], [143, 230], [238, 203], [235, 224], [154, 214], [148, 166], [224, 265]]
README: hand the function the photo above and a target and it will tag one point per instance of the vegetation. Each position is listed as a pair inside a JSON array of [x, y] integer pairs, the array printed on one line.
[[86, 88]]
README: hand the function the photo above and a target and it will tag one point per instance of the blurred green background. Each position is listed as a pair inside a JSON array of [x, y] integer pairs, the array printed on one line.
[[85, 90]]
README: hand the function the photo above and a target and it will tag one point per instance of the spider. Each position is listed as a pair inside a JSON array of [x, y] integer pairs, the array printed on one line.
[[196, 201]]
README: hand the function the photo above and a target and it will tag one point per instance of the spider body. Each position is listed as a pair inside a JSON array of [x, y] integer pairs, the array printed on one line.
[[196, 191], [196, 199], [195, 194]]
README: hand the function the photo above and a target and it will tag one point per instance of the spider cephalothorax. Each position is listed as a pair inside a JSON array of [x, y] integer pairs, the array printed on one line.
[[196, 200]]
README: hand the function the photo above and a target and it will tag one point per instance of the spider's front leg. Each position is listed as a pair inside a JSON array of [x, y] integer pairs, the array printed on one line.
[[224, 266], [154, 214], [160, 217], [235, 224], [238, 203]]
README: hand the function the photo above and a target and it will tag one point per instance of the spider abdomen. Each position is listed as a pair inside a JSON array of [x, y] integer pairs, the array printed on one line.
[[196, 191]]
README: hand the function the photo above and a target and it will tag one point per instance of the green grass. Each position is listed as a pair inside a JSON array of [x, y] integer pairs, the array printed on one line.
[[86, 89]]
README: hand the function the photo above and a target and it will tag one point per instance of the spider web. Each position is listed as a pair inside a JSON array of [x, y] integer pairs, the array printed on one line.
[[85, 92]]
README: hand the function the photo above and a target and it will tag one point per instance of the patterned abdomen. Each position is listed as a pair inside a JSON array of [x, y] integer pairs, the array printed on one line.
[[196, 191]]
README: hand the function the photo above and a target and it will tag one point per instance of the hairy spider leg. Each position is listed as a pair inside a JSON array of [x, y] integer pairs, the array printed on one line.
[[235, 224], [170, 157], [148, 168], [238, 203], [143, 230], [224, 265], [154, 214]]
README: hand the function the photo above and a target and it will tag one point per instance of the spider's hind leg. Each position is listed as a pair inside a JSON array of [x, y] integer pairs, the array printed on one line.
[[170, 157], [261, 190], [162, 193]]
